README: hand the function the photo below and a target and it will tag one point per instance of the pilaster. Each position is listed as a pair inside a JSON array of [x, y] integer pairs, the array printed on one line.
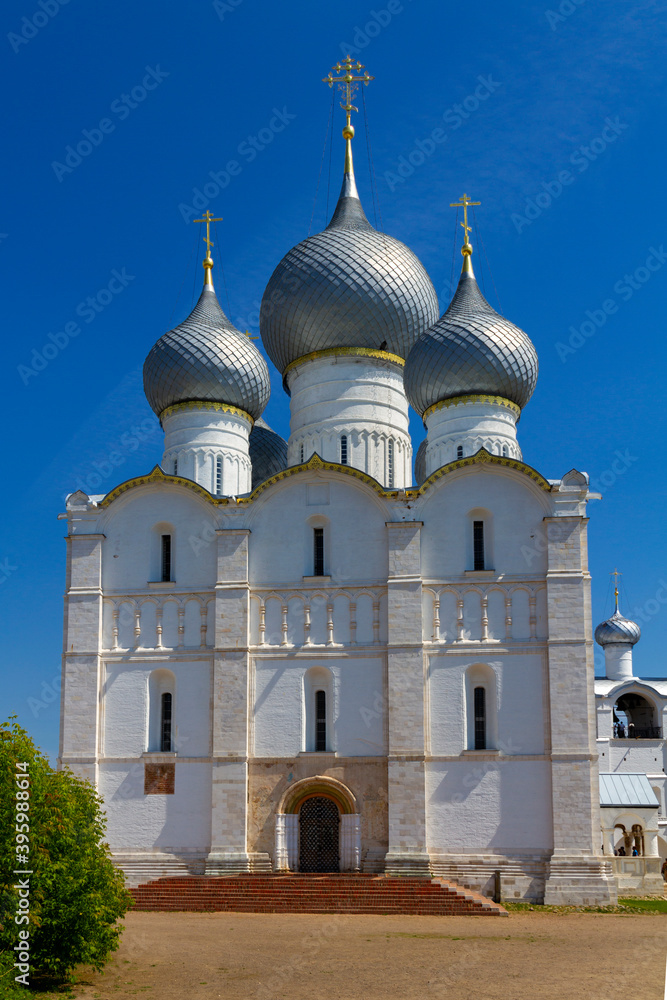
[[405, 702]]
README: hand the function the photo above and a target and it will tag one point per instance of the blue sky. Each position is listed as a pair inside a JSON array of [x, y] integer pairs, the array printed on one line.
[[552, 117]]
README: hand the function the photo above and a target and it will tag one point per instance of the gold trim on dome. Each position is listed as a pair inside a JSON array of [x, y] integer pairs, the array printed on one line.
[[347, 352], [202, 404], [473, 398], [158, 475]]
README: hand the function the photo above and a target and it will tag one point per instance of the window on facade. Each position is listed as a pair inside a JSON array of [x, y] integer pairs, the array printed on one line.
[[165, 723], [343, 450], [302, 454], [318, 551], [218, 476], [479, 698], [175, 466], [459, 451], [166, 558], [320, 721], [390, 465], [478, 544], [505, 451]]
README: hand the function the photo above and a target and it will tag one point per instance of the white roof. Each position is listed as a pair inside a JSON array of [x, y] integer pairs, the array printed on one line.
[[626, 790]]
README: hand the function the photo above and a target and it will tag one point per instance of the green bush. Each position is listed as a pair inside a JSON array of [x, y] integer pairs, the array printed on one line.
[[76, 894]]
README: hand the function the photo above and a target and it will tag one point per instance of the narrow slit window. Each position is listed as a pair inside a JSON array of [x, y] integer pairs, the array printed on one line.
[[343, 450], [505, 451], [320, 721], [165, 723], [218, 476], [479, 696], [390, 465], [478, 544], [166, 558], [459, 451], [318, 551], [175, 466], [302, 454]]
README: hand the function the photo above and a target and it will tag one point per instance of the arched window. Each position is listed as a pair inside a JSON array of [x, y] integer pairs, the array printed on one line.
[[175, 466], [481, 708], [479, 699], [320, 721], [343, 450], [478, 545], [218, 475], [318, 551], [317, 710], [161, 703], [459, 451], [390, 465], [165, 564], [634, 718], [505, 451], [165, 723]]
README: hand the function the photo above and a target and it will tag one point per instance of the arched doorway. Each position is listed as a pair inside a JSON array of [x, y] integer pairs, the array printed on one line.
[[634, 718], [319, 836]]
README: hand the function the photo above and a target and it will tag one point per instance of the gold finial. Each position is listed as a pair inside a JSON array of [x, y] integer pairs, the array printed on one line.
[[349, 83], [466, 249], [208, 260], [616, 575]]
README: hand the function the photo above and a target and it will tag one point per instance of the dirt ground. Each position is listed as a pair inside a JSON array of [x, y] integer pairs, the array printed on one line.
[[252, 956]]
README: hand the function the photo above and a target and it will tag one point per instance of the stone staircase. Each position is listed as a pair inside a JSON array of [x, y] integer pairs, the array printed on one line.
[[379, 894]]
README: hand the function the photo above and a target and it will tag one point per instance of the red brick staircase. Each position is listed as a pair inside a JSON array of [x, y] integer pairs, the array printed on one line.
[[378, 894]]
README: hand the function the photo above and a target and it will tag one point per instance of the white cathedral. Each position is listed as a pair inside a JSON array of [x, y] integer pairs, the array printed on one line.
[[284, 656]]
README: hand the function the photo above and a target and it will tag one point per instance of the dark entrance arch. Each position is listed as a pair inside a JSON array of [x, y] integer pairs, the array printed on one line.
[[319, 821]]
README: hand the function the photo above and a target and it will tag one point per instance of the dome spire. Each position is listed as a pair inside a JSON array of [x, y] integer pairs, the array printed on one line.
[[348, 84], [616, 575], [466, 249], [208, 260]]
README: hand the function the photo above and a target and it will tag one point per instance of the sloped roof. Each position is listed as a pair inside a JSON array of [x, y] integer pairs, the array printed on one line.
[[627, 790]]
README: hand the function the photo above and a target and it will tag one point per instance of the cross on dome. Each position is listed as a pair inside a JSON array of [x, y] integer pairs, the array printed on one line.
[[350, 84], [208, 261], [464, 202]]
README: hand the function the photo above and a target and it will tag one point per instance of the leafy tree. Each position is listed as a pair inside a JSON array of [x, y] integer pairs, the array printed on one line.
[[76, 894]]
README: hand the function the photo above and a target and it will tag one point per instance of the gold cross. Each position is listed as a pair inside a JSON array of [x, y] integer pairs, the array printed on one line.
[[616, 575], [463, 203], [208, 219], [350, 83]]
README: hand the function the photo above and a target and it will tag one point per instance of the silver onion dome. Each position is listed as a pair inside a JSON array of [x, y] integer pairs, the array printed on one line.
[[420, 463], [268, 452], [617, 629], [470, 350], [206, 359], [348, 286]]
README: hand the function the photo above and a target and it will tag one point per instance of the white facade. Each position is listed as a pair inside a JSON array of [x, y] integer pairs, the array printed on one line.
[[398, 631]]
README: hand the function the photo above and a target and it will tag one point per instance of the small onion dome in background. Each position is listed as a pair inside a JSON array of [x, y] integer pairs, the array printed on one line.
[[206, 359], [471, 350], [348, 286], [268, 452], [420, 463], [617, 629]]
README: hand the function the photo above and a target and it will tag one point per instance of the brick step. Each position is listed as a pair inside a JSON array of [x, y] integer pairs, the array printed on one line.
[[367, 893]]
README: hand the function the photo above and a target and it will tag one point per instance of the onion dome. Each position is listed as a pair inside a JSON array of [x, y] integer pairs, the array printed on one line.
[[420, 463], [471, 350], [617, 628], [268, 452], [206, 359], [349, 286]]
